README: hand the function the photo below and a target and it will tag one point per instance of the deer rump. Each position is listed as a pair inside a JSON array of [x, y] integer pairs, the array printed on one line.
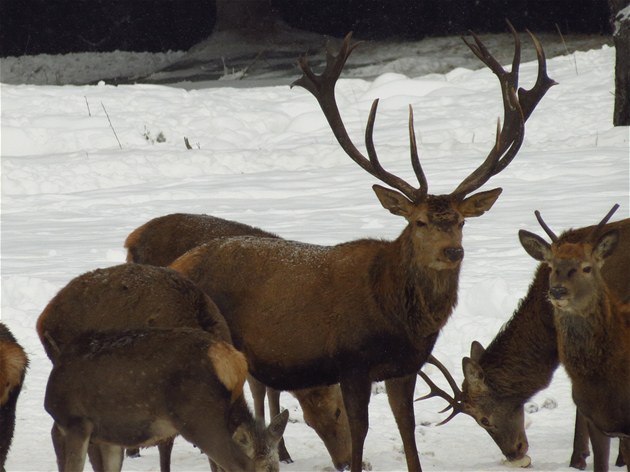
[[257, 283]]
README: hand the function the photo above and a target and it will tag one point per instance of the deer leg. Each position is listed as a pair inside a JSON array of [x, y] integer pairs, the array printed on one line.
[[273, 399], [601, 448], [580, 442], [400, 395], [258, 393], [58, 446], [624, 453], [112, 457], [96, 458], [165, 448], [356, 389], [76, 440]]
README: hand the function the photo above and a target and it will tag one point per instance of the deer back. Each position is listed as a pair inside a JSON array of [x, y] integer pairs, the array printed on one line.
[[123, 297], [163, 239]]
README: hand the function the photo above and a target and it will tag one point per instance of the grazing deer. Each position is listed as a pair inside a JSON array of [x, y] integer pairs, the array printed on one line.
[[127, 296], [162, 240], [366, 310], [521, 359], [592, 325], [13, 365], [136, 388]]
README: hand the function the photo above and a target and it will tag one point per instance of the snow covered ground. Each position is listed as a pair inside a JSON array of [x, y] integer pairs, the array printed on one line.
[[265, 156]]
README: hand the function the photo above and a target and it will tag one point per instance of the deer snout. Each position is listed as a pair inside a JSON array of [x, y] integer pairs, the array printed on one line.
[[558, 292], [454, 254]]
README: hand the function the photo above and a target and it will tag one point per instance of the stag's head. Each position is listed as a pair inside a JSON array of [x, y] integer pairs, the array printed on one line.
[[435, 221], [575, 279], [502, 417]]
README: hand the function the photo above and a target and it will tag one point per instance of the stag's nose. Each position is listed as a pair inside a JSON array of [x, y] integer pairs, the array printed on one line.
[[454, 254], [558, 292]]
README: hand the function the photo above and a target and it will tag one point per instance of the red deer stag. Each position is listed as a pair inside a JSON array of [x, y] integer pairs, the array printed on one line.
[[136, 388], [122, 297], [592, 325], [162, 240], [13, 365], [366, 310], [521, 359]]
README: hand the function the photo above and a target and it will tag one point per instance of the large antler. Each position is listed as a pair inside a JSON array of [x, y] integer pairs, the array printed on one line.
[[516, 109], [323, 88], [454, 401]]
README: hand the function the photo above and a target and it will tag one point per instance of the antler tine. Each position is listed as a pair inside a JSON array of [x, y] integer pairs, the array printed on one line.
[[608, 216], [530, 98], [438, 392], [454, 401], [323, 89], [544, 226], [378, 170], [415, 159], [514, 115]]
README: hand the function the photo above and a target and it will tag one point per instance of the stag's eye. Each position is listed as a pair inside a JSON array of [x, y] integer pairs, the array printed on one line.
[[337, 413], [461, 225], [485, 422], [587, 269], [420, 224]]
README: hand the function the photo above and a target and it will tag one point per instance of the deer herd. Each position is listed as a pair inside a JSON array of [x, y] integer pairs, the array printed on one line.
[[162, 345]]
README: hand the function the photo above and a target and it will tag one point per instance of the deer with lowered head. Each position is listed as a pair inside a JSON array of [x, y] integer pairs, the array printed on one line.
[[592, 325], [521, 359], [162, 240], [365, 310], [135, 388], [120, 298]]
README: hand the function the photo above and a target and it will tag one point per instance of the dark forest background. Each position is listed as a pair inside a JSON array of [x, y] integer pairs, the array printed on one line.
[[62, 26]]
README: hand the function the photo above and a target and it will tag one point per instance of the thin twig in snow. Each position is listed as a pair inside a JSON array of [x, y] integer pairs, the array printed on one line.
[[111, 126], [88, 106], [567, 49]]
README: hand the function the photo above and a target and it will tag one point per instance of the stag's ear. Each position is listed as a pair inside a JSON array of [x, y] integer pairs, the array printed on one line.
[[479, 203], [535, 246], [606, 245], [476, 351], [473, 374], [394, 201], [277, 425]]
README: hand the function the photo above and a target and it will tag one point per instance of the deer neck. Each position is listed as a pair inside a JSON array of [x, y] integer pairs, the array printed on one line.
[[420, 298], [585, 338], [523, 356]]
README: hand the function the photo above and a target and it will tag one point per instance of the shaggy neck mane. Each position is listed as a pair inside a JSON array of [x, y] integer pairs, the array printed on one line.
[[521, 359], [586, 340], [421, 298]]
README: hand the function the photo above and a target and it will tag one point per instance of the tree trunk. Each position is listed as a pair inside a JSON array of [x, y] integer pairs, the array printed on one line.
[[253, 16], [620, 11]]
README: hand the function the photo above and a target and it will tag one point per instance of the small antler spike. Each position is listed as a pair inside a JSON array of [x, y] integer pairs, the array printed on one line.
[[415, 159], [544, 226], [604, 220]]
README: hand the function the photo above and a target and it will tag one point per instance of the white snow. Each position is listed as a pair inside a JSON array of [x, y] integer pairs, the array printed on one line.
[[265, 156]]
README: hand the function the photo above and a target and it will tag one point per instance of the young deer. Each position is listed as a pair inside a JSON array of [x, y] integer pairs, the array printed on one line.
[[521, 359], [136, 388], [13, 365], [162, 240], [123, 297], [366, 310], [592, 325]]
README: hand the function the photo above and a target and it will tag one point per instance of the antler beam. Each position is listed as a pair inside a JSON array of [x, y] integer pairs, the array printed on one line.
[[323, 89], [517, 108]]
